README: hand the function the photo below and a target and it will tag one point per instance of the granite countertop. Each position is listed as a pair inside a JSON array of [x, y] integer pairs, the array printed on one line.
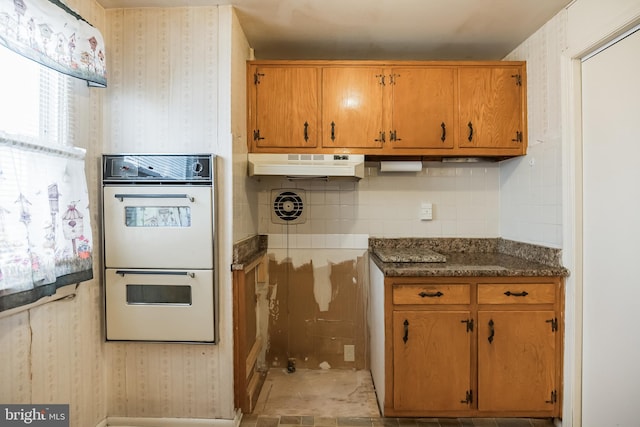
[[464, 257]]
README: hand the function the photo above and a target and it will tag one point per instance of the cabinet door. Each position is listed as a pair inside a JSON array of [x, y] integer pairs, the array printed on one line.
[[423, 107], [286, 107], [516, 361], [431, 360], [491, 107], [352, 107]]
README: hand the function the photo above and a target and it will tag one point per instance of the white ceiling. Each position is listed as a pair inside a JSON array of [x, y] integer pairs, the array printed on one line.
[[380, 29]]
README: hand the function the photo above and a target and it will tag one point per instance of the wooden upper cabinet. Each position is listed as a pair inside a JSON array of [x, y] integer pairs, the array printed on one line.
[[491, 108], [286, 107], [352, 107], [388, 108], [423, 107]]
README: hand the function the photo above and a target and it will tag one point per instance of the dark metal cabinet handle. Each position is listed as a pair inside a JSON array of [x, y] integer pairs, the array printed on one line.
[[333, 131], [492, 331], [516, 294], [470, 131], [424, 294], [381, 138], [306, 131], [444, 132], [405, 338]]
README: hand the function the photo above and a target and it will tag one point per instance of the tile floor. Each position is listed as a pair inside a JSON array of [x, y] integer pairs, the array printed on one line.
[[254, 420], [343, 398]]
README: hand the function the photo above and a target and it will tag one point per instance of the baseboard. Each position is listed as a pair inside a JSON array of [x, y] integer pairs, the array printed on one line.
[[169, 422]]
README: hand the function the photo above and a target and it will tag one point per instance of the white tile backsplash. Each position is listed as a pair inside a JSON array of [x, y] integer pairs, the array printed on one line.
[[465, 203]]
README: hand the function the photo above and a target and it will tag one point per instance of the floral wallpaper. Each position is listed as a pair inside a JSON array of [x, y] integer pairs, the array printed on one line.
[[50, 33], [45, 233]]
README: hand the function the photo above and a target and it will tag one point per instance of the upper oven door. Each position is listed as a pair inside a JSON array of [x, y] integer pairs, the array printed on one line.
[[158, 226]]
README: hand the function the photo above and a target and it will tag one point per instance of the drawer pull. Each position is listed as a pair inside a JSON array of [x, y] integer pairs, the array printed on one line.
[[516, 294], [405, 338], [492, 331], [424, 294]]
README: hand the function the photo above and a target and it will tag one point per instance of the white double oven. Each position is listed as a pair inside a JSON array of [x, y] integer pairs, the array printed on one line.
[[159, 247]]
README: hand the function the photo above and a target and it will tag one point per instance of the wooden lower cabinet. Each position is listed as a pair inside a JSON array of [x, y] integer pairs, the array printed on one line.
[[516, 361], [474, 347], [432, 360], [248, 343]]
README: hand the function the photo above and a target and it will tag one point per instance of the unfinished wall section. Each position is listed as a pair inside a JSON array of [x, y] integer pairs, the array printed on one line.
[[314, 309]]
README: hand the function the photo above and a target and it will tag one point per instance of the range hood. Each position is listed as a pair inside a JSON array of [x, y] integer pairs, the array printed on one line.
[[307, 166]]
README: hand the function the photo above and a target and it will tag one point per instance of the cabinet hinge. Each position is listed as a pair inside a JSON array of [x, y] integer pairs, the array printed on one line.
[[469, 323], [518, 138], [468, 398], [393, 136], [518, 78], [554, 397], [256, 135], [554, 324], [256, 78]]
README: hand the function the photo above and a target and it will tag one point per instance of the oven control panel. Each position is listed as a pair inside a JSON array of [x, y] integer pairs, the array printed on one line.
[[157, 168]]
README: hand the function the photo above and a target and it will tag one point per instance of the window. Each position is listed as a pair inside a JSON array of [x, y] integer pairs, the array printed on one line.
[[45, 237], [35, 102]]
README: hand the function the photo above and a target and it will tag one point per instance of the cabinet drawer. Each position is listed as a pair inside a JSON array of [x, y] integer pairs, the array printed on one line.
[[431, 294], [515, 293]]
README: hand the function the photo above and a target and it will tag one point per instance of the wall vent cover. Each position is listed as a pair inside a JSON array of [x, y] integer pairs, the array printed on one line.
[[288, 206]]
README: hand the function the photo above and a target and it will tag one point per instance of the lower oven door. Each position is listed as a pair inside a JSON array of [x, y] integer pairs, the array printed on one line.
[[160, 305]]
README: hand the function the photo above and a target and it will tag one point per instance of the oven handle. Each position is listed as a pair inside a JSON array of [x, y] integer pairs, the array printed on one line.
[[154, 196], [166, 273]]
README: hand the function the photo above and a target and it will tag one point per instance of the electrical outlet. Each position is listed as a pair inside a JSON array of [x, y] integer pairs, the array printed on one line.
[[349, 353]]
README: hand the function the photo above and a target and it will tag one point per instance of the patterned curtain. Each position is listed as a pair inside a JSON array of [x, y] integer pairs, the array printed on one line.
[[45, 232], [50, 33]]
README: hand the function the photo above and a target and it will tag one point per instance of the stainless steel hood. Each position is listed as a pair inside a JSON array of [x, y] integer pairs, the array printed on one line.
[[307, 166]]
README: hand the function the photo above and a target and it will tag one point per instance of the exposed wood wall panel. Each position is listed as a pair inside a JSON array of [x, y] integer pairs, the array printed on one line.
[[317, 304]]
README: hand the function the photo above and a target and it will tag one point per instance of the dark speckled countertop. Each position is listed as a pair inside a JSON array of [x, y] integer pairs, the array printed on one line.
[[464, 257], [248, 250]]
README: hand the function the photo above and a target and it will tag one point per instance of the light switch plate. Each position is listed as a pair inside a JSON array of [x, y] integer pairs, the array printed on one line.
[[426, 211]]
